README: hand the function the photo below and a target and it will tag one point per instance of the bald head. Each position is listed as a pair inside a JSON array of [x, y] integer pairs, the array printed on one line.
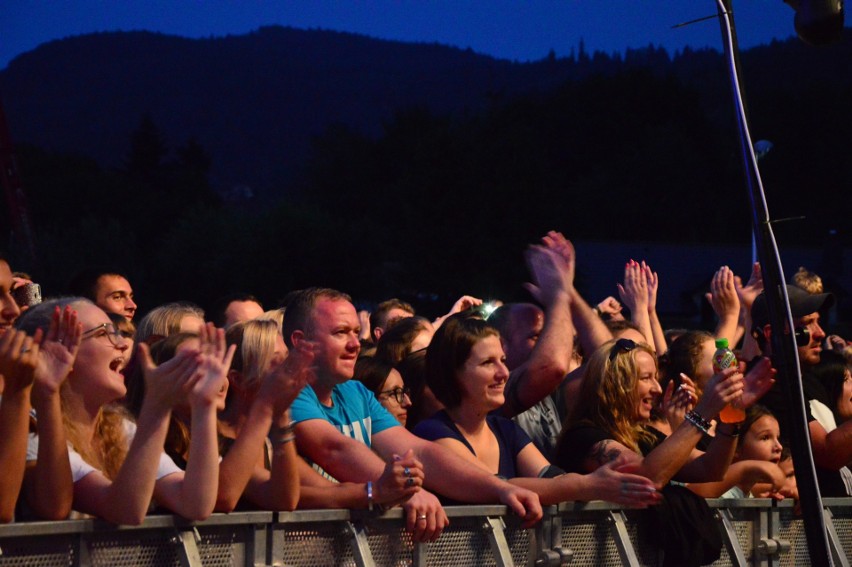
[[519, 324]]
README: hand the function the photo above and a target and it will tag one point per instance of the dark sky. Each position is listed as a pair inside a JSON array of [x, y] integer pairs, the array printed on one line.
[[511, 29]]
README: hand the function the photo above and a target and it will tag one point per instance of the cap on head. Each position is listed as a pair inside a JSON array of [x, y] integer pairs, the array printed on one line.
[[801, 303]]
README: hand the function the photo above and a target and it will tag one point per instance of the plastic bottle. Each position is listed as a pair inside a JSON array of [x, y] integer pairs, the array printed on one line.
[[725, 358]]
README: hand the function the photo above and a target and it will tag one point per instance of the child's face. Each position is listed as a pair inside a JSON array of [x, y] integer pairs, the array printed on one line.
[[760, 442]]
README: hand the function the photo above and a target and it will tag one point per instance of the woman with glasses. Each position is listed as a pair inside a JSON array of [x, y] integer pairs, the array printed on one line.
[[122, 466], [386, 383], [465, 367]]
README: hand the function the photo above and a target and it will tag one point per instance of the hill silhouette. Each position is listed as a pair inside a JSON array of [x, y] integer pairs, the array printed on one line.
[[403, 159]]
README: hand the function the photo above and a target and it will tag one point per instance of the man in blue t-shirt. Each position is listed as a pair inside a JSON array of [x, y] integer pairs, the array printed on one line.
[[337, 423]]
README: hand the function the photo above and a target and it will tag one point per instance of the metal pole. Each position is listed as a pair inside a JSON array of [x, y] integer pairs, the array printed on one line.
[[784, 349]]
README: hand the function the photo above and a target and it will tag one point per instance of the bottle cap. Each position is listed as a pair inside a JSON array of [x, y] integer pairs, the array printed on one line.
[[721, 343]]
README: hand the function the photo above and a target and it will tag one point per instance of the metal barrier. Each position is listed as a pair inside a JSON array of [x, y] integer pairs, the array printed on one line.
[[756, 532]]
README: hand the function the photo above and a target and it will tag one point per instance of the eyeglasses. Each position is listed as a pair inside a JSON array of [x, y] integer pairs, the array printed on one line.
[[621, 345], [108, 330], [398, 394]]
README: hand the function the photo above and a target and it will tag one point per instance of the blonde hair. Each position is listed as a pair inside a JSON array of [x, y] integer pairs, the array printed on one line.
[[608, 393], [808, 281], [165, 320], [276, 315], [255, 340], [110, 445]]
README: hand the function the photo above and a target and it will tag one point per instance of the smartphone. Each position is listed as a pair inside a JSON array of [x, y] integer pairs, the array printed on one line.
[[27, 295]]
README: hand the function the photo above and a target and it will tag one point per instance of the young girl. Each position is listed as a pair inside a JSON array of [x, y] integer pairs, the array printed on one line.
[[756, 460]]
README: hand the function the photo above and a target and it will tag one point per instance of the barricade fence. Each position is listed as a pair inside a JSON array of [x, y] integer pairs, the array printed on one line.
[[756, 532]]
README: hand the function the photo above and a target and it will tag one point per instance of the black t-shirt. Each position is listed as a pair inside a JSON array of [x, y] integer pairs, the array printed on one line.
[[830, 481]]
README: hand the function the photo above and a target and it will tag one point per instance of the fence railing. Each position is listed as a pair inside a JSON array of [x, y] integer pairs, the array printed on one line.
[[755, 531]]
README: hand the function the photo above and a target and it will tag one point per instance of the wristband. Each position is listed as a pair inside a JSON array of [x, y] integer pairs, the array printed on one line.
[[697, 421], [736, 429]]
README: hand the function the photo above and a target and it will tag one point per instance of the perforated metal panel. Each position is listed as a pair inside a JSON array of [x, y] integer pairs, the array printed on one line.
[[587, 536], [464, 543], [313, 544], [390, 544], [843, 526], [46, 551], [134, 549], [792, 529], [743, 528], [223, 546]]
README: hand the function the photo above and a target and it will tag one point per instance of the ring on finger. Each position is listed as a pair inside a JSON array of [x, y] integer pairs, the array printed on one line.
[[407, 472], [421, 517], [409, 481]]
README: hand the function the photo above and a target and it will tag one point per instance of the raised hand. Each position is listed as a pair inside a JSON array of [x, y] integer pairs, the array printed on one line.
[[676, 402], [652, 281], [610, 306], [723, 293], [464, 303], [58, 351], [18, 359], [557, 242], [169, 384], [634, 291], [214, 362], [748, 293], [551, 269], [757, 382], [722, 389], [283, 382]]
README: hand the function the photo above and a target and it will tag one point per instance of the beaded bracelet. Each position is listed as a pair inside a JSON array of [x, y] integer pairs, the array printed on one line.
[[699, 422]]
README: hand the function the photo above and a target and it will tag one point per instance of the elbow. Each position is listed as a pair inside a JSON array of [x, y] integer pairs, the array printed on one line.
[[125, 518], [195, 513], [225, 504]]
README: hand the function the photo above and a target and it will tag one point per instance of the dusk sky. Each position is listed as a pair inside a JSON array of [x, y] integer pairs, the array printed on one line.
[[510, 29]]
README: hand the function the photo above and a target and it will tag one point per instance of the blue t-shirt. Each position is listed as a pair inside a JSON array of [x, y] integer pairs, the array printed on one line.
[[510, 437], [355, 411]]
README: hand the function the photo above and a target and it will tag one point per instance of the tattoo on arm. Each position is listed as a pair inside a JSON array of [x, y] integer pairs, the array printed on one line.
[[601, 455]]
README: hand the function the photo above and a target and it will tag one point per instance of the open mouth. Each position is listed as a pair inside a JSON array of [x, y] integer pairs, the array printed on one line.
[[116, 364]]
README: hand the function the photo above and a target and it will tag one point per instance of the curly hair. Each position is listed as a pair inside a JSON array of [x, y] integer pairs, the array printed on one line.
[[607, 396], [110, 445]]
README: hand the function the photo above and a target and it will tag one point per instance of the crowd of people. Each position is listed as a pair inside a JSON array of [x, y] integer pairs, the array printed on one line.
[[527, 405]]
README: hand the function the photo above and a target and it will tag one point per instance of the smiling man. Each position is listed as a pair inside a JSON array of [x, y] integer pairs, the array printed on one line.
[[107, 289], [831, 444], [338, 421]]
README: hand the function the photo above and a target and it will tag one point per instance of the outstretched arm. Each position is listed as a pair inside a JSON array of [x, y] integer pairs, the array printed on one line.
[[18, 356], [48, 482], [125, 500], [723, 297], [634, 294], [551, 266], [277, 488], [193, 494], [653, 283]]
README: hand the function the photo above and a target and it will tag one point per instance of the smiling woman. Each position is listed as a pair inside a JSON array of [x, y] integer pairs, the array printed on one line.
[[466, 370], [119, 466]]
